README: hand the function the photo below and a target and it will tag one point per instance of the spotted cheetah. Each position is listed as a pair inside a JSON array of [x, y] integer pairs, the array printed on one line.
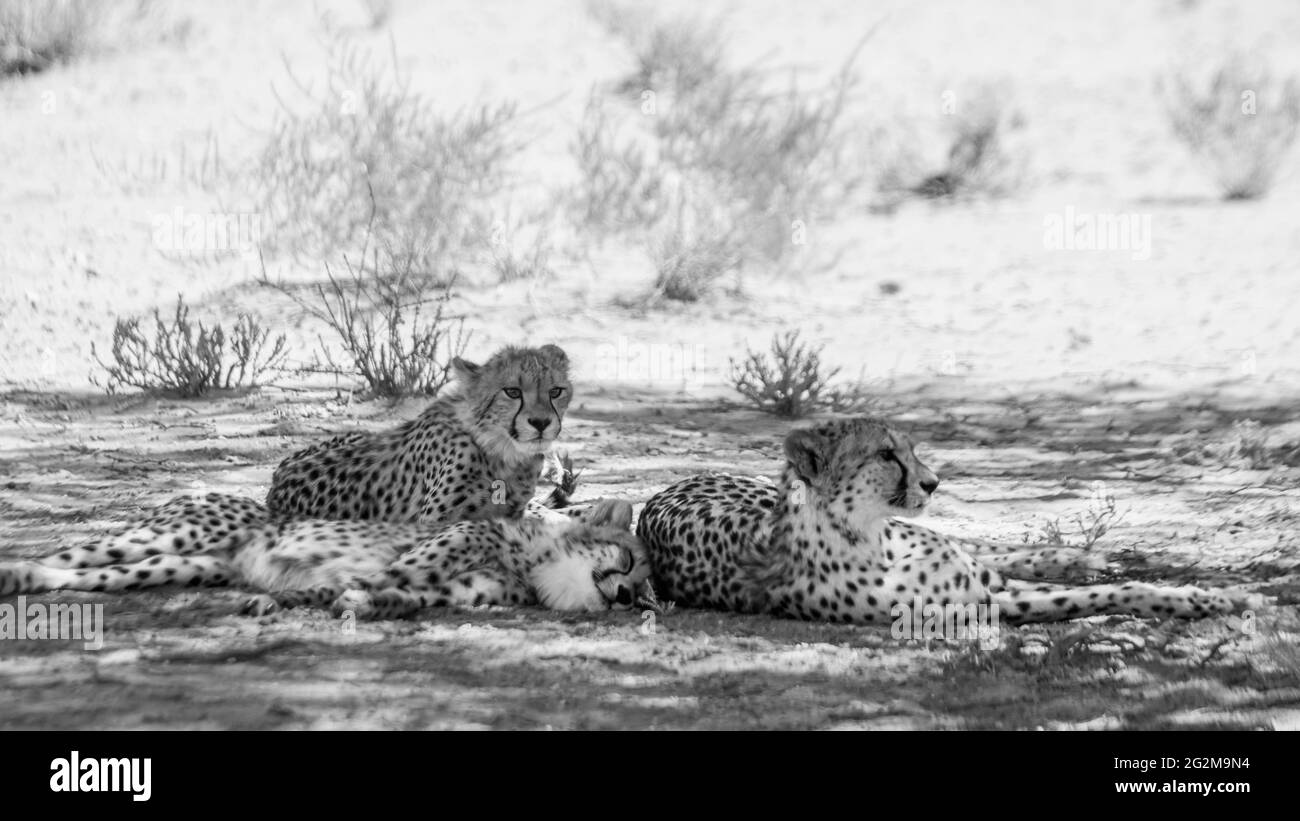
[[824, 544], [476, 453], [374, 569]]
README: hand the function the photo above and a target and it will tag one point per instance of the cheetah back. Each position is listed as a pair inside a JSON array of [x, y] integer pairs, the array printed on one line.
[[702, 533]]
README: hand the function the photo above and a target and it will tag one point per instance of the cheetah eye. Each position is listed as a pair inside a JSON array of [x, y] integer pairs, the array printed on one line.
[[514, 393], [887, 454], [556, 393]]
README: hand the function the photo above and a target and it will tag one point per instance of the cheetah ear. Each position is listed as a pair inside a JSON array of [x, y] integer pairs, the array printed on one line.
[[466, 372], [555, 356], [805, 451]]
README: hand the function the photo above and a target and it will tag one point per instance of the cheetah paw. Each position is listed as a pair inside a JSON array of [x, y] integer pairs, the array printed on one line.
[[359, 602], [260, 605], [8, 581]]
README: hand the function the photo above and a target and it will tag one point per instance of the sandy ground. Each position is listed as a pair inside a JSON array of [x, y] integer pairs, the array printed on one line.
[[1030, 375]]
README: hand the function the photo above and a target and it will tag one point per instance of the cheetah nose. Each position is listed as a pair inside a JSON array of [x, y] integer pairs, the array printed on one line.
[[929, 485], [624, 595], [539, 424]]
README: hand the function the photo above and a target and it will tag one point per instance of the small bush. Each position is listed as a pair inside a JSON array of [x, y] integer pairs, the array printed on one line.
[[36, 34], [1087, 529], [791, 383], [189, 359], [514, 260], [729, 144], [390, 338], [689, 258], [622, 186], [1240, 122], [978, 159], [367, 145]]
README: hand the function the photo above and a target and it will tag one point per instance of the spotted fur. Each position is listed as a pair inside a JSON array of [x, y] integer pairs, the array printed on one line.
[[375, 569], [826, 545], [474, 454]]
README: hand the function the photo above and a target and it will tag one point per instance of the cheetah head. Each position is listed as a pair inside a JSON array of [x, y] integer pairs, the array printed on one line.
[[861, 470], [515, 402], [608, 569]]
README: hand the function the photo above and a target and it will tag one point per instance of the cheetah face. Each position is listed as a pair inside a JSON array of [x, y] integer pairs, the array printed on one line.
[[863, 470], [517, 399], [611, 572]]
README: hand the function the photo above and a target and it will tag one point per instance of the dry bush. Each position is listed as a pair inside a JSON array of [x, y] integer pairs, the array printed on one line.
[[529, 260], [790, 383], [755, 155], [366, 142], [622, 180], [1240, 121], [1084, 529], [691, 254], [392, 324], [188, 358], [980, 159], [36, 34]]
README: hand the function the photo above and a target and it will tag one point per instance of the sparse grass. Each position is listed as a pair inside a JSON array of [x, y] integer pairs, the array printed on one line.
[[37, 34], [188, 358], [1084, 529], [1246, 445], [1240, 121], [790, 382], [750, 157], [366, 142]]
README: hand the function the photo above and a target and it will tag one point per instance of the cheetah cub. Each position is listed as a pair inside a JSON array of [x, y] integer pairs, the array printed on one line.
[[825, 544], [375, 569], [475, 453]]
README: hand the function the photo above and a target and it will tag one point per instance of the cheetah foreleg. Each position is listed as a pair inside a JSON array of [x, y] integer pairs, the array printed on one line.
[[1053, 563]]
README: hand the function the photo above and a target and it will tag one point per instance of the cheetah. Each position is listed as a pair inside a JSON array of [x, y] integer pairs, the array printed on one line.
[[377, 570], [824, 544], [476, 453]]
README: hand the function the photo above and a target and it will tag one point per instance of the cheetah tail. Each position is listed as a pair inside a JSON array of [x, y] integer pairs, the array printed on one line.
[[1021, 602]]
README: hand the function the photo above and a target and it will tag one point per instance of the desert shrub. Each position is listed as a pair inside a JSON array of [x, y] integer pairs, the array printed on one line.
[[791, 382], [36, 34], [622, 181], [366, 143], [757, 157], [692, 253], [1240, 121], [391, 324], [979, 158], [1083, 529], [188, 358]]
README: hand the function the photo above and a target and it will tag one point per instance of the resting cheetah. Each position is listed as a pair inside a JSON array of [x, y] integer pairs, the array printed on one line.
[[474, 454], [376, 569], [824, 546]]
